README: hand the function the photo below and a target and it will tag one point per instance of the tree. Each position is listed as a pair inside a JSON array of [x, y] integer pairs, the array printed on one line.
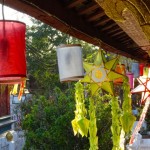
[[48, 125], [42, 41], [48, 119]]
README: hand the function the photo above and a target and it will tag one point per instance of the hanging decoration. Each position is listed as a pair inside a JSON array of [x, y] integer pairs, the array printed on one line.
[[144, 87], [80, 124], [130, 79], [141, 120], [127, 118], [70, 62], [116, 126], [120, 68], [145, 72], [141, 67], [92, 126], [135, 69], [12, 52], [102, 73]]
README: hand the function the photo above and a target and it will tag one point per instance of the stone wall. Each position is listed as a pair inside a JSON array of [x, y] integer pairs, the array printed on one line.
[[16, 144]]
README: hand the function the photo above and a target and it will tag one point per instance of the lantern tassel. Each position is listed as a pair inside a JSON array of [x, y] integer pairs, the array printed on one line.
[[22, 85], [15, 89]]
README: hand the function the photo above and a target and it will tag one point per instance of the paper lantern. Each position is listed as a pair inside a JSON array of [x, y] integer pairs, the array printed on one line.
[[131, 80], [141, 67], [145, 72], [70, 63], [12, 52], [120, 68], [135, 69], [143, 87]]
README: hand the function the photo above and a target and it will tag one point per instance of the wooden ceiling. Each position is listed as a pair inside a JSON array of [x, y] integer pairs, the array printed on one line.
[[84, 19]]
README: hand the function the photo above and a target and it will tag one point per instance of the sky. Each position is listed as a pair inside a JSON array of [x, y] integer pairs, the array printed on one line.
[[11, 14]]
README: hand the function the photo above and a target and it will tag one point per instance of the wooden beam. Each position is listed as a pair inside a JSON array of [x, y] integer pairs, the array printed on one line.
[[112, 30], [107, 27], [122, 39], [88, 8], [126, 41], [67, 22], [120, 32], [95, 16], [75, 3], [101, 22]]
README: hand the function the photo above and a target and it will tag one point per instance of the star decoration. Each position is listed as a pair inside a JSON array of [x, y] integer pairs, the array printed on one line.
[[144, 87], [101, 73]]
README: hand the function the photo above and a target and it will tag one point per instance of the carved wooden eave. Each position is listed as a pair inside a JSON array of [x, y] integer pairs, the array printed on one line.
[[91, 21], [133, 16]]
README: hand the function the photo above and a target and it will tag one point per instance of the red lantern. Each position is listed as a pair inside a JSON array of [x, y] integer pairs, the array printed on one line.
[[141, 69], [12, 52]]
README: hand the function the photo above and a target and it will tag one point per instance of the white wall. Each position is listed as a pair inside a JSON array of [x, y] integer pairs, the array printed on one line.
[[16, 144]]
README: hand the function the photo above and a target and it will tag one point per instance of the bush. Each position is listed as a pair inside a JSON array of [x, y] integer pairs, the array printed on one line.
[[48, 125]]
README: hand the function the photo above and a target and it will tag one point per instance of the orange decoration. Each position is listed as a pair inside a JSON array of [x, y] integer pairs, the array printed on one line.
[[120, 68]]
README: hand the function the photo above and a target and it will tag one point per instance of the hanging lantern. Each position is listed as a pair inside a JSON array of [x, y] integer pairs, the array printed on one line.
[[131, 80], [135, 69], [120, 68], [141, 67], [12, 52], [145, 72], [70, 63]]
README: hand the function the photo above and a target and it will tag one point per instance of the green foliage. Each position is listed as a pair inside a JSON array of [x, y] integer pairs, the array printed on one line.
[[47, 122], [147, 119], [48, 126], [104, 119], [41, 42]]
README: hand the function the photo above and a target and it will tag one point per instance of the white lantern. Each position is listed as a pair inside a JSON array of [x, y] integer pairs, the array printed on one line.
[[70, 62]]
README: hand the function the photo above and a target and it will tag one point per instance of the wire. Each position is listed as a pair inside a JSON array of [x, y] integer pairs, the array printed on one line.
[[3, 9]]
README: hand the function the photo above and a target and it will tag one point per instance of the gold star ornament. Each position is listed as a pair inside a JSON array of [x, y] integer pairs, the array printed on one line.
[[101, 73]]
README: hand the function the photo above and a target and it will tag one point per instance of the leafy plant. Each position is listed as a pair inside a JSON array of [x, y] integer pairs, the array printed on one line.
[[47, 125], [104, 120]]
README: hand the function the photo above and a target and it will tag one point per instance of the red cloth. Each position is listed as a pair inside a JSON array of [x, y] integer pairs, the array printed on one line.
[[12, 51]]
